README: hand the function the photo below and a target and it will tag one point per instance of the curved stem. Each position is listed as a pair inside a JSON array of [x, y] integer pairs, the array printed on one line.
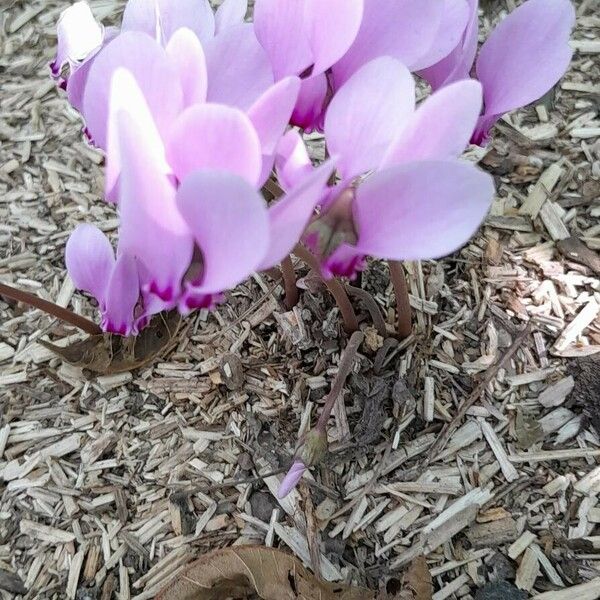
[[289, 282], [372, 307], [402, 302], [346, 362], [335, 287], [50, 308]]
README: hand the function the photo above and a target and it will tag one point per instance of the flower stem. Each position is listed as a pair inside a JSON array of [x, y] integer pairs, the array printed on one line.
[[289, 282], [335, 287], [346, 363], [50, 308], [402, 302]]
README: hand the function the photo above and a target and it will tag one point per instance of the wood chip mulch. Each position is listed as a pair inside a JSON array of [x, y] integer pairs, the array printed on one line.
[[474, 442]]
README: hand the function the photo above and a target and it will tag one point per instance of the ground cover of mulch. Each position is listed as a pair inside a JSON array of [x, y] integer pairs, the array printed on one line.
[[474, 442]]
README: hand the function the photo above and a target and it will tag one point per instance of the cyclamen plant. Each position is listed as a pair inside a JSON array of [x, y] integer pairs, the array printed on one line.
[[198, 111]]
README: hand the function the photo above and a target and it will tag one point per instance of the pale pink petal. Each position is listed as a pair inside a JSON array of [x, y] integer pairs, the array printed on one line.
[[441, 127], [292, 161], [421, 210], [230, 13], [366, 114], [279, 27], [270, 114], [310, 106], [526, 54], [457, 65], [79, 36], [160, 19], [239, 71], [78, 76], [402, 29], [186, 53], [90, 260], [156, 76], [214, 136], [303, 34], [291, 480], [229, 222], [152, 229], [122, 295], [455, 19], [289, 216], [127, 98], [332, 27]]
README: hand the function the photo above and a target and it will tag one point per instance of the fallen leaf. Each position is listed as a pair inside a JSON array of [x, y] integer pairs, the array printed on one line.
[[417, 584], [272, 574], [108, 354]]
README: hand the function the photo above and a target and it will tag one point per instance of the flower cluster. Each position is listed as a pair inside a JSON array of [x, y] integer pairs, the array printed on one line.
[[196, 110]]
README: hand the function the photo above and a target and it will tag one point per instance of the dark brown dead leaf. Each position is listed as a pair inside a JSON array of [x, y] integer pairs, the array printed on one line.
[[272, 574], [108, 354]]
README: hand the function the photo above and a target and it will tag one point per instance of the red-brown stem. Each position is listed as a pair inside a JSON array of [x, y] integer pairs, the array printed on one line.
[[289, 283], [402, 302], [372, 307], [335, 287], [50, 308], [346, 362]]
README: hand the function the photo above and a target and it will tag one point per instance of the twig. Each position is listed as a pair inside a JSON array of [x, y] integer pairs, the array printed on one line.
[[289, 283], [50, 308], [464, 406], [335, 287], [372, 307], [402, 302]]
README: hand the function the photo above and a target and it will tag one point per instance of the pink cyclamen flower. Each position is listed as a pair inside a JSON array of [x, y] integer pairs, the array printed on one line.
[[172, 68], [524, 57], [326, 42], [403, 194], [192, 221]]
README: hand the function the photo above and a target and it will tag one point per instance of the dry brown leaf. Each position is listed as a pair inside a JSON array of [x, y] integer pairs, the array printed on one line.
[[417, 584], [272, 574], [108, 354]]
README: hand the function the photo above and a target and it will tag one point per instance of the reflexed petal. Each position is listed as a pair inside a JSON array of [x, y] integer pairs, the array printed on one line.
[[292, 478], [292, 161], [230, 13], [90, 260], [366, 114], [229, 222], [455, 19], [332, 27], [127, 98], [421, 210], [457, 65], [298, 34], [289, 216], [526, 54], [122, 295], [186, 53], [78, 76], [403, 29], [310, 106], [79, 35], [271, 113], [151, 228], [156, 76], [279, 27], [213, 136], [160, 19], [252, 76], [441, 127]]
